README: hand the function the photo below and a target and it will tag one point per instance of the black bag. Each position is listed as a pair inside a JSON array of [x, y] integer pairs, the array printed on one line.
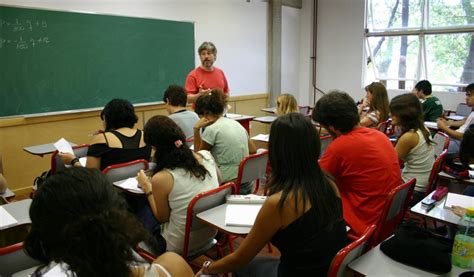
[[418, 247], [40, 179]]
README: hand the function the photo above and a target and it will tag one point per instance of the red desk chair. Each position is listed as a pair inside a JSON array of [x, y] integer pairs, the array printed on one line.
[[442, 142], [394, 210], [349, 253], [305, 110], [384, 126], [201, 202], [126, 170], [437, 167], [13, 259], [252, 168]]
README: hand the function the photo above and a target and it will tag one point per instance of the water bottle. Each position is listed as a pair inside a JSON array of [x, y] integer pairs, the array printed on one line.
[[463, 248]]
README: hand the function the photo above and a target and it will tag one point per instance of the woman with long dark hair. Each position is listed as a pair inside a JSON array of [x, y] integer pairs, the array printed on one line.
[[302, 215], [180, 174], [414, 145], [80, 224]]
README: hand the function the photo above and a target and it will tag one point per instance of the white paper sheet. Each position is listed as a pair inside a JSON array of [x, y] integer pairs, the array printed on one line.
[[6, 219], [233, 115], [456, 117], [241, 215], [130, 184], [454, 199], [63, 146], [431, 125], [261, 137]]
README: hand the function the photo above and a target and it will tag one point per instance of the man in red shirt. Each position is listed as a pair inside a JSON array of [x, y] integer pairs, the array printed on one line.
[[362, 160], [206, 76]]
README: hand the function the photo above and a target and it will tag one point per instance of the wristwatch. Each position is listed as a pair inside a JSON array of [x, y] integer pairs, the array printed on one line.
[[205, 267]]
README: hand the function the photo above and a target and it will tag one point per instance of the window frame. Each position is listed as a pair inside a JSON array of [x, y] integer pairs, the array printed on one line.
[[421, 32]]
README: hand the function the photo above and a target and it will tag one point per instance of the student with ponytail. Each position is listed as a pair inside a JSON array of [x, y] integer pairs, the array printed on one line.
[[414, 145], [180, 174], [225, 138]]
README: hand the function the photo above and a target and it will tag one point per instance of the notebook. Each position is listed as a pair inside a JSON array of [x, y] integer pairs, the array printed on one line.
[[6, 219], [454, 199], [241, 215]]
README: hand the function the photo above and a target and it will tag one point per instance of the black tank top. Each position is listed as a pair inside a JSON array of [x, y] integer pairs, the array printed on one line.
[[308, 249], [130, 150]]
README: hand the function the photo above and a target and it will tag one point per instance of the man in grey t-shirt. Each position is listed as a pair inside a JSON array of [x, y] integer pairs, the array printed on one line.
[[175, 99]]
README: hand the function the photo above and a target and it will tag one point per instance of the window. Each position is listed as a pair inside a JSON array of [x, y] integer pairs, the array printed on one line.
[[411, 40]]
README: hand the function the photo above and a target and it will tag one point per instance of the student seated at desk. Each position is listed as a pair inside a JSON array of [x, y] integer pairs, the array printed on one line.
[[302, 215], [3, 181], [286, 103], [120, 142], [456, 135], [362, 160], [432, 107], [175, 99], [374, 108], [80, 221], [180, 174], [227, 140], [414, 145]]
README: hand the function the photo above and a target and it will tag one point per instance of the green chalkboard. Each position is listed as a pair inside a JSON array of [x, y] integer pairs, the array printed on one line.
[[57, 61]]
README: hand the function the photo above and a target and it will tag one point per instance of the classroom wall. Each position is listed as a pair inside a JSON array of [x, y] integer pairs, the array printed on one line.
[[237, 28], [340, 50]]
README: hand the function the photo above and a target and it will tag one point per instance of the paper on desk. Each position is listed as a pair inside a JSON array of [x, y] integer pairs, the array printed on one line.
[[63, 146], [266, 119], [130, 184], [261, 137], [454, 199], [233, 115], [431, 125], [6, 219], [241, 215], [455, 117]]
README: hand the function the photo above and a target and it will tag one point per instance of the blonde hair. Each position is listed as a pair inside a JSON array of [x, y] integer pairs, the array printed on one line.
[[286, 103]]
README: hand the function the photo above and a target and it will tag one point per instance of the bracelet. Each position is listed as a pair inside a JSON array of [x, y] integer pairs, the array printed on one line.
[[75, 160], [205, 267], [148, 193]]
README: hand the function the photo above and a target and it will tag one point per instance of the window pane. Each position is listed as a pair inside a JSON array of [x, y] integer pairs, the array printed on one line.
[[395, 57], [393, 14], [444, 13], [450, 58]]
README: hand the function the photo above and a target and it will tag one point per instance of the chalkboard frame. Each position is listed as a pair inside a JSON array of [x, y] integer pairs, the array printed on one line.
[[96, 108]]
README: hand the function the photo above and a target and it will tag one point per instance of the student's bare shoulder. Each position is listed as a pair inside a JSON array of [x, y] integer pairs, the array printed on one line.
[[162, 177], [409, 138], [98, 138]]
